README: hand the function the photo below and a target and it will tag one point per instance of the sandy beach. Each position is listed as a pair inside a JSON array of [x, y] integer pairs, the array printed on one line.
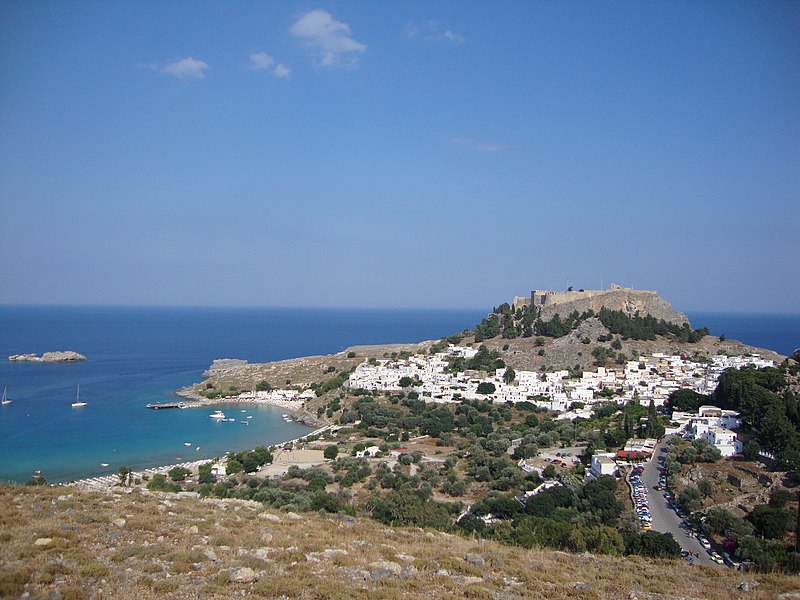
[[282, 460], [295, 407]]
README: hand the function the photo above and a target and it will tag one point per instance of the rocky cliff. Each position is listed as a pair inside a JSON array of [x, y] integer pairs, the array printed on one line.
[[627, 300], [223, 365]]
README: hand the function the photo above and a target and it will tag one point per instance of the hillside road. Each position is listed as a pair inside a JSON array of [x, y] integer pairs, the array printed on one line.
[[665, 520]]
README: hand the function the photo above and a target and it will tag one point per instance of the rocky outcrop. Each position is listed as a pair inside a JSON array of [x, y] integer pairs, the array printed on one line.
[[627, 300], [221, 365], [49, 357]]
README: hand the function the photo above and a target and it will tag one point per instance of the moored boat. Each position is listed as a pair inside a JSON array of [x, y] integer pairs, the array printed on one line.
[[78, 401]]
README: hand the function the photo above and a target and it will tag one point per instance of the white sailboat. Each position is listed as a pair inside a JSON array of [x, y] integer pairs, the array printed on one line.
[[5, 396], [78, 402]]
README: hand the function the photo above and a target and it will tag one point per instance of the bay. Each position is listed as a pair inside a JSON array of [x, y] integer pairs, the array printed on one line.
[[142, 355]]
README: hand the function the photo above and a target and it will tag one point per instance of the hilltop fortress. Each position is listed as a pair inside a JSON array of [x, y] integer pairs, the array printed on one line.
[[548, 303]]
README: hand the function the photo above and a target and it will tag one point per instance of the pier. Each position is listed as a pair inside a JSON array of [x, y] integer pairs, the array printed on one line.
[[168, 405]]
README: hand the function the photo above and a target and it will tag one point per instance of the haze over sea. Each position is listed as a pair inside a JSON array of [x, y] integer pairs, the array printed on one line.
[[142, 355]]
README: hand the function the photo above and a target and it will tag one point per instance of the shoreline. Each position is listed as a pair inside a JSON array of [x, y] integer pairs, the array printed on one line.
[[294, 407], [106, 482], [300, 416]]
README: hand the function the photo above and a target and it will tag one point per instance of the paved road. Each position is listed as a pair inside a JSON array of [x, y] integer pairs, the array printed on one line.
[[665, 520]]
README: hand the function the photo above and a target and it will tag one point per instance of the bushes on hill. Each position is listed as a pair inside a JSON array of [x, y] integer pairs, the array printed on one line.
[[648, 327], [410, 507], [767, 404], [178, 473], [652, 544], [159, 483], [248, 461], [510, 324]]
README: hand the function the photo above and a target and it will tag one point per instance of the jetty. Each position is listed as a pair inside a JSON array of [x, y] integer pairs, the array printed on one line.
[[157, 406]]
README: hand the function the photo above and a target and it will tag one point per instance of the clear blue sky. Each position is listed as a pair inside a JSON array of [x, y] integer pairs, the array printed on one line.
[[398, 154]]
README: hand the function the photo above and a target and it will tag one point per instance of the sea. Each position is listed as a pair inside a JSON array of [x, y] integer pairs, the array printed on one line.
[[138, 356], [141, 355]]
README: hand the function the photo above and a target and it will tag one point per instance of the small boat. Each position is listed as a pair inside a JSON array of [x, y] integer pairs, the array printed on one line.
[[198, 448], [243, 410], [250, 417], [78, 402], [218, 414], [187, 443], [103, 464], [5, 397], [245, 422]]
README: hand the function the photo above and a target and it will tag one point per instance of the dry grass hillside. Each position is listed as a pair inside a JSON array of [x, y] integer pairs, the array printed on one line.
[[531, 353], [576, 348], [57, 542], [300, 372]]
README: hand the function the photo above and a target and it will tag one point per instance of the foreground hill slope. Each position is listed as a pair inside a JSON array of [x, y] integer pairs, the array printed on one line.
[[63, 543]]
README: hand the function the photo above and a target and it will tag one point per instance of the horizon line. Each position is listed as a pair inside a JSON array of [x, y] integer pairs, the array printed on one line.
[[322, 307]]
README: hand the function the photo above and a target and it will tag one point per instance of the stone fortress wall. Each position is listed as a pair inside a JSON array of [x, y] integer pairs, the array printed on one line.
[[549, 303]]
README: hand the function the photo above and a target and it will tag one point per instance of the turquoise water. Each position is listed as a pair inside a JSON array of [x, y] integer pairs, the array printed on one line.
[[142, 355]]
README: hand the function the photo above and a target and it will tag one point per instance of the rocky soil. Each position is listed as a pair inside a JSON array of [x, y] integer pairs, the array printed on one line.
[[62, 543], [573, 349]]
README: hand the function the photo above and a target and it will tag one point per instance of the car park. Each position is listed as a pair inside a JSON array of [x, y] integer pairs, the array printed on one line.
[[730, 562]]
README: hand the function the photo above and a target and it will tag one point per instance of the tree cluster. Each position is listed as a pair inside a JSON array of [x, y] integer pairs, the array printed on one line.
[[509, 323], [768, 405], [248, 461], [648, 327]]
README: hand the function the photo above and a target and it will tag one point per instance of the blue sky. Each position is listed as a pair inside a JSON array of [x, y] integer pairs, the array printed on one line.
[[415, 154]]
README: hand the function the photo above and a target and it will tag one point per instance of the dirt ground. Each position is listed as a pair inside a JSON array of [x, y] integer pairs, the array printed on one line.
[[283, 459]]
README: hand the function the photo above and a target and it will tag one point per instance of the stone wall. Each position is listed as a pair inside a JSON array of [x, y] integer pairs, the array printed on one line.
[[520, 301]]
